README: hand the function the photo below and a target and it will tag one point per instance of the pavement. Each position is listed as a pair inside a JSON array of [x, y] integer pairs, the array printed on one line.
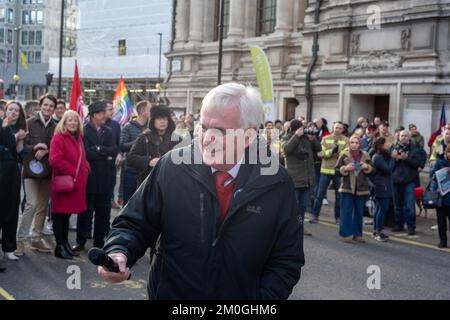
[[409, 268]]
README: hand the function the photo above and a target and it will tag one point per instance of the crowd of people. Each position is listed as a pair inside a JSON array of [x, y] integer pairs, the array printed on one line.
[[64, 166], [362, 163]]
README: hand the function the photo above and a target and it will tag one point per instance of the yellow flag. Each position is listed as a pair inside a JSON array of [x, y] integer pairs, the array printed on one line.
[[24, 61]]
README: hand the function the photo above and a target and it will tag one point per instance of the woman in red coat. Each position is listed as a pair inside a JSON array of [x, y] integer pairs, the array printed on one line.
[[68, 158]]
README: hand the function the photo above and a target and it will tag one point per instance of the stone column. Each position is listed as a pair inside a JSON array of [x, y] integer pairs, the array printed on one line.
[[237, 19], [196, 21], [285, 16], [182, 22]]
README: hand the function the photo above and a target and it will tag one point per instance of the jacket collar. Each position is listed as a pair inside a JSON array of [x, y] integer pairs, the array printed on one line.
[[40, 118]]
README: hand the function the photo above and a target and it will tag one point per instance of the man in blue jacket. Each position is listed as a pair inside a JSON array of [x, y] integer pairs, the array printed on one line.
[[223, 226], [408, 157]]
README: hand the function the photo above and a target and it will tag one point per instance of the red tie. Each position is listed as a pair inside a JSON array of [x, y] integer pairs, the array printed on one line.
[[224, 193]]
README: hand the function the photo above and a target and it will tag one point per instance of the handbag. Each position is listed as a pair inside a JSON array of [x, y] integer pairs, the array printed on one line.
[[36, 169], [432, 197], [64, 184]]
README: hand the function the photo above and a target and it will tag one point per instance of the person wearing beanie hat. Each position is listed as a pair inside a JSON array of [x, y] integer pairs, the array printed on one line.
[[151, 146], [101, 152]]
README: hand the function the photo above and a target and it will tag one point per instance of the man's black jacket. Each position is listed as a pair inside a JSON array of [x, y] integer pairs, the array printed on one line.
[[101, 152], [256, 254]]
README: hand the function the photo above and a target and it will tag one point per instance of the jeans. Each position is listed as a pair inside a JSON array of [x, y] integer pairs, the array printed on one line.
[[405, 205], [129, 185], [382, 207], [324, 182], [352, 215], [101, 205], [302, 195], [443, 213]]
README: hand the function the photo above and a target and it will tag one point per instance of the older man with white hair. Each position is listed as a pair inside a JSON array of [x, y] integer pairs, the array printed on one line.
[[222, 226]]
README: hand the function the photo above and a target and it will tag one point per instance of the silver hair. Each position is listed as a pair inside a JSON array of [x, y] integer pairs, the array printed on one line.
[[248, 100]]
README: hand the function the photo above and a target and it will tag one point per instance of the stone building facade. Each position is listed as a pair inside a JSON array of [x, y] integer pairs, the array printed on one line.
[[374, 58]]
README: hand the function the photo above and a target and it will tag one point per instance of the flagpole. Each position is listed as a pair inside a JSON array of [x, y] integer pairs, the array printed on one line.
[[61, 35], [16, 76]]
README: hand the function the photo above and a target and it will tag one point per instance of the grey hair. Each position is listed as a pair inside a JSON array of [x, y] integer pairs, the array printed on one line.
[[248, 100]]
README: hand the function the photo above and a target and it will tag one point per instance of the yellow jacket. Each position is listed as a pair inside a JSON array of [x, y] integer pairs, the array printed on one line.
[[329, 159]]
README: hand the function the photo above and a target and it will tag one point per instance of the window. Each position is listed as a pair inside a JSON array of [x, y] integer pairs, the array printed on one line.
[[11, 16], [267, 10], [2, 36], [37, 57], [122, 47], [2, 15], [31, 38], [25, 17], [38, 38], [39, 17], [226, 19], [24, 38], [30, 57], [32, 17], [10, 36], [9, 56]]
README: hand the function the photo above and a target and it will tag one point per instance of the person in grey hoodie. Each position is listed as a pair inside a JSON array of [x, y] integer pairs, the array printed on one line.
[[128, 137]]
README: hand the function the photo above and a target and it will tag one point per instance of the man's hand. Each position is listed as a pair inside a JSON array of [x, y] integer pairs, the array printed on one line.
[[153, 162], [146, 131], [41, 146], [300, 132], [395, 154], [119, 160], [404, 155], [121, 260], [40, 154]]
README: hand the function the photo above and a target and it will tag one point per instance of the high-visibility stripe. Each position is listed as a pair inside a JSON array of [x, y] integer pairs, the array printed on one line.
[[328, 171], [342, 142]]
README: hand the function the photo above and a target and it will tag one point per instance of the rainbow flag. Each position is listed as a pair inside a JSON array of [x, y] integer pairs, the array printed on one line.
[[123, 108]]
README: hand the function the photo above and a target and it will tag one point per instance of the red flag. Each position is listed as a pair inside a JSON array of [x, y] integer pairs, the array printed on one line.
[[76, 95]]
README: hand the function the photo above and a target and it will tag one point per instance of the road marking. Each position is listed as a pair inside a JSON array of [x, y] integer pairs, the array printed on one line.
[[394, 238], [5, 294]]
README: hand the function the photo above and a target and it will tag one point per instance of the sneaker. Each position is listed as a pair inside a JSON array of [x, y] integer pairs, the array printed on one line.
[[374, 234], [324, 202], [48, 229], [11, 256], [337, 221], [41, 246], [434, 228], [398, 229], [411, 233], [314, 220], [381, 237], [20, 251]]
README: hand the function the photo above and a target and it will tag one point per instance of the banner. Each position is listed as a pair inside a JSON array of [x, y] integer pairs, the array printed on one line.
[[265, 83]]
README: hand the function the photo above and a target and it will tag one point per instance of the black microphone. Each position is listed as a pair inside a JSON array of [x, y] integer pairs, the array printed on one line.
[[99, 258]]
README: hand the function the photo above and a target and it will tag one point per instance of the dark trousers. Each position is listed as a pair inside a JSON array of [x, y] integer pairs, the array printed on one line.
[[9, 203], [443, 213], [324, 182], [352, 213], [129, 185], [302, 195], [61, 228], [101, 205], [382, 207]]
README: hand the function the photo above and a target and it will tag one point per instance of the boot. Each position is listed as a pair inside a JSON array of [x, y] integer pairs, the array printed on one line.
[[61, 252], [70, 251]]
